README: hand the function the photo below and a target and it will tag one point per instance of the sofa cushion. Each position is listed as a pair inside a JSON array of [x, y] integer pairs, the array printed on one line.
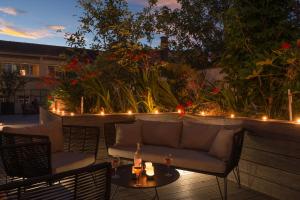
[[53, 130], [222, 145], [198, 136], [65, 161], [182, 158], [161, 133], [129, 134]]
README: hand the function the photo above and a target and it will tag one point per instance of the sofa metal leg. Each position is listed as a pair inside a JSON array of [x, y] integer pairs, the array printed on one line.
[[219, 187], [225, 188], [236, 172]]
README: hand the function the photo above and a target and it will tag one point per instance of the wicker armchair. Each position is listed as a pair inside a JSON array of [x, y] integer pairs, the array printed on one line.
[[27, 156], [89, 183]]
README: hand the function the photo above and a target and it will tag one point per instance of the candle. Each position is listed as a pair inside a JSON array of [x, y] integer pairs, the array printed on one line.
[[232, 116], [150, 171], [129, 112], [264, 118], [72, 114]]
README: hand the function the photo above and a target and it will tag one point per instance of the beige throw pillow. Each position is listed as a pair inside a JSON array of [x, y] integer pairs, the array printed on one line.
[[222, 145], [53, 130], [128, 134], [198, 136], [161, 133]]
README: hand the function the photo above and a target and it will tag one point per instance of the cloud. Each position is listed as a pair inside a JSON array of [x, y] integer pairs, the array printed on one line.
[[169, 3], [58, 28], [9, 29], [11, 11]]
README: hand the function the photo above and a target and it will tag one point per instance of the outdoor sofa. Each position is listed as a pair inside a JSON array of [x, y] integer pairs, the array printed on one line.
[[195, 146]]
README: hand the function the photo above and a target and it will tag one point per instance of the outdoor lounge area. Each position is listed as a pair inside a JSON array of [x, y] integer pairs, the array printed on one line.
[[150, 99]]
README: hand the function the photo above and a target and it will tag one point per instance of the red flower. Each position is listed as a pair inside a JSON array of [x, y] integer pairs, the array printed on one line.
[[286, 45], [74, 82], [189, 103], [216, 90], [50, 97], [298, 43]]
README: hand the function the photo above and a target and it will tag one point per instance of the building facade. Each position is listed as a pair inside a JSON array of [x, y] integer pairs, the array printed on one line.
[[34, 61]]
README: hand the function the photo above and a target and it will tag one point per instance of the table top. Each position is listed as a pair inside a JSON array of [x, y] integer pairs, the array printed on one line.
[[127, 179]]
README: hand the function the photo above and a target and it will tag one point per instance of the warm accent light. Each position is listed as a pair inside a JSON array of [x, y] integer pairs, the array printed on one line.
[[202, 113], [129, 112], [102, 113], [298, 121], [72, 114], [22, 72], [179, 111], [264, 118], [149, 169], [53, 109], [232, 116], [58, 111], [156, 112], [62, 112]]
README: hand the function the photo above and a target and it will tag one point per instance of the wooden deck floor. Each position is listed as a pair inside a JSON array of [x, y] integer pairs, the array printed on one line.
[[191, 186]]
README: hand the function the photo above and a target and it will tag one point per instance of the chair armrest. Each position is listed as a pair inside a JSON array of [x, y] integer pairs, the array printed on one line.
[[92, 182], [83, 139], [26, 159]]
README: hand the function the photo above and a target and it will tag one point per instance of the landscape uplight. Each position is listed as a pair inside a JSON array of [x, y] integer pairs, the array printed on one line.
[[264, 118]]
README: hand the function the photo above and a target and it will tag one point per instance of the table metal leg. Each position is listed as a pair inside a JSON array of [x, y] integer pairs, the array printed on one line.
[[115, 192], [156, 194]]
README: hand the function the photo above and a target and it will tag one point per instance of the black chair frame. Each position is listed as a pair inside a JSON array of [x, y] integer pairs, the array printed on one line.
[[92, 182]]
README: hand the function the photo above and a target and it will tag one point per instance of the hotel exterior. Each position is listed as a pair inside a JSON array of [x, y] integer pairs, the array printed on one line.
[[33, 61]]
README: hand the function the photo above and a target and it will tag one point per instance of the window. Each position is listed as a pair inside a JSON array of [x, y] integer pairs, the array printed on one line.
[[55, 71], [23, 69]]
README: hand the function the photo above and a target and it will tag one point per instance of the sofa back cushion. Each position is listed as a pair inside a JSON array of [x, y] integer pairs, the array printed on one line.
[[198, 136], [222, 145], [161, 133], [53, 130], [129, 134]]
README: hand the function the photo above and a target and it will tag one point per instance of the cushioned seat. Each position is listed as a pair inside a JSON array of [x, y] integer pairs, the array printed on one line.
[[183, 158], [64, 161]]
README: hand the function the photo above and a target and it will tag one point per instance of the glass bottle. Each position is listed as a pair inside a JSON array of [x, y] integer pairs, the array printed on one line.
[[137, 156]]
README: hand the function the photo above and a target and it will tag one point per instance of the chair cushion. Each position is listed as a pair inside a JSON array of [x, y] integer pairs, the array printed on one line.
[[198, 136], [65, 161], [129, 134], [53, 130], [182, 158], [222, 145], [161, 133]]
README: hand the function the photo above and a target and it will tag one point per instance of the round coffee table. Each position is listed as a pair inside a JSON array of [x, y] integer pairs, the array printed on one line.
[[127, 179]]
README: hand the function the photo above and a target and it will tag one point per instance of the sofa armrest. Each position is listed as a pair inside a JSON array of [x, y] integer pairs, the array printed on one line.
[[237, 145], [84, 139]]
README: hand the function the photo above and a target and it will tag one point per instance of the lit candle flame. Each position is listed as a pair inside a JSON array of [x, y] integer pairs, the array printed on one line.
[[62, 112], [179, 111], [72, 114], [102, 113], [156, 112], [232, 116], [129, 112], [202, 113], [298, 121]]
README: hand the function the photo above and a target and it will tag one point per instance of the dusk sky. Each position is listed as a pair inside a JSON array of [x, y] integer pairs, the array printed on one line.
[[37, 21]]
